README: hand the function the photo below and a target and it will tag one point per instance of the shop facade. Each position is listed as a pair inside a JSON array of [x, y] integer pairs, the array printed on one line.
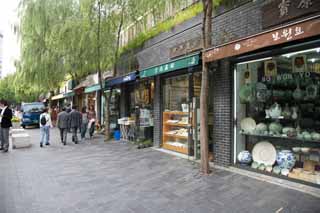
[[178, 84], [271, 100]]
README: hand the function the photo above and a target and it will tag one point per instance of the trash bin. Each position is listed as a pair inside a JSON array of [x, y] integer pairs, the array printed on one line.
[[116, 135]]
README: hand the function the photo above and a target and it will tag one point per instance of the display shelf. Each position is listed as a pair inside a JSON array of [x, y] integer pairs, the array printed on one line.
[[177, 124], [175, 113], [176, 136], [281, 137], [169, 126], [248, 168], [175, 148]]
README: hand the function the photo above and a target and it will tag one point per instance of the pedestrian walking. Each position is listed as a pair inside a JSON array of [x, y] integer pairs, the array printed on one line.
[[92, 120], [45, 125], [75, 123], [63, 123], [54, 115], [5, 120], [85, 122]]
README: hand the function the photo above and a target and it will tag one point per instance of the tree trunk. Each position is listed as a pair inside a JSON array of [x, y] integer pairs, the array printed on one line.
[[206, 42], [107, 115]]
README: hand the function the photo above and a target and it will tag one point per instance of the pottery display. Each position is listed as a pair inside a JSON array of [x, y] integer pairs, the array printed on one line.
[[294, 114], [285, 172], [275, 128], [312, 91], [246, 93], [286, 112], [286, 159], [306, 136], [287, 130], [261, 128], [262, 167], [315, 136], [269, 168], [248, 125], [264, 153], [262, 93], [305, 150], [244, 157], [276, 170], [275, 110], [298, 93], [296, 149], [255, 165]]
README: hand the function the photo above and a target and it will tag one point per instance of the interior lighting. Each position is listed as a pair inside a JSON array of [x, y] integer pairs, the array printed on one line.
[[303, 51], [261, 59]]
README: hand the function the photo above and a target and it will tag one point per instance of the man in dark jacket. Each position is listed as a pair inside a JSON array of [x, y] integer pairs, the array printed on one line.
[[5, 120], [75, 123], [63, 123]]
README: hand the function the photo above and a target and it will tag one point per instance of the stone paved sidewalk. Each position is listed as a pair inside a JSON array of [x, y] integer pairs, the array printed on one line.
[[115, 177]]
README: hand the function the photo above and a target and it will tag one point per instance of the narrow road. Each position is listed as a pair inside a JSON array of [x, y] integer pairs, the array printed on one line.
[[116, 177]]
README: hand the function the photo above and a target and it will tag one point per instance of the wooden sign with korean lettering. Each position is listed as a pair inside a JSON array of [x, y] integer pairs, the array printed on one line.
[[292, 32], [281, 11]]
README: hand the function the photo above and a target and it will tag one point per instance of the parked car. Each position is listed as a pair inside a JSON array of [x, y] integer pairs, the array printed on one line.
[[31, 113]]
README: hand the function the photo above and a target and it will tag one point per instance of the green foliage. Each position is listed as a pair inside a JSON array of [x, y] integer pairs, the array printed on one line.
[[183, 16]]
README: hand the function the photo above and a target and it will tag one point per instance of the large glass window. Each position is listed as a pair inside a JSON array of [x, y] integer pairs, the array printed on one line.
[[277, 112]]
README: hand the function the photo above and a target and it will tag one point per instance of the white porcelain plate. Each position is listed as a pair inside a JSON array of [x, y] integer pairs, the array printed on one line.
[[248, 125], [264, 152]]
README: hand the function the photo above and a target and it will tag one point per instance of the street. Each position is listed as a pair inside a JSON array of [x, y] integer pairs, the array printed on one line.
[[116, 177]]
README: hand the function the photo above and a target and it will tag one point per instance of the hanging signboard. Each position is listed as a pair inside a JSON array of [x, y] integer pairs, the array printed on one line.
[[280, 11], [171, 66], [289, 33]]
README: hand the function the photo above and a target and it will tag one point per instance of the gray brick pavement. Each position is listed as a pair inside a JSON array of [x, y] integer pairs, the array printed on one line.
[[115, 177]]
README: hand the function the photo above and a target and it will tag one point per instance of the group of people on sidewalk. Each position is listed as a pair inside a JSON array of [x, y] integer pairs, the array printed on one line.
[[68, 120]]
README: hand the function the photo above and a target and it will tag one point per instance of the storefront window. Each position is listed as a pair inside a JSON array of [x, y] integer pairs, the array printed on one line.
[[176, 113], [277, 112]]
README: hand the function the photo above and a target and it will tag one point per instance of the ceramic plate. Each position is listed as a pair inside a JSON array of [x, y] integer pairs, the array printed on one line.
[[248, 125], [264, 153]]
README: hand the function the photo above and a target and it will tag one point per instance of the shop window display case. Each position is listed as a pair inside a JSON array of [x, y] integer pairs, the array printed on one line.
[[176, 117], [277, 115]]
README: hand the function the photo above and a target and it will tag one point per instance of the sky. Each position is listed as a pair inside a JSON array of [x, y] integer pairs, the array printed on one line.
[[10, 49]]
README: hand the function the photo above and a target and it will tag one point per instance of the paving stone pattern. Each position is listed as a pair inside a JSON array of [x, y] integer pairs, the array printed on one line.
[[116, 177]]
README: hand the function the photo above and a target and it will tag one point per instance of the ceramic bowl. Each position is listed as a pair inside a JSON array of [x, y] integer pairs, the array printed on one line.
[[285, 172], [305, 150], [262, 167], [255, 165], [296, 149], [269, 168], [276, 170], [315, 136]]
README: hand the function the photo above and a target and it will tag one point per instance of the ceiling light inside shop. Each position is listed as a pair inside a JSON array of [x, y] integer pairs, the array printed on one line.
[[261, 59], [303, 51]]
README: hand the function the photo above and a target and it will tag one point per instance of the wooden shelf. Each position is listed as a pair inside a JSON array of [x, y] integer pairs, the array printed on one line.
[[175, 148], [175, 113], [281, 137], [176, 136], [177, 124]]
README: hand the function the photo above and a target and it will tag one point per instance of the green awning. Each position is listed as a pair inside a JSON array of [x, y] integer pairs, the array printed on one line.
[[93, 88], [69, 94], [182, 63]]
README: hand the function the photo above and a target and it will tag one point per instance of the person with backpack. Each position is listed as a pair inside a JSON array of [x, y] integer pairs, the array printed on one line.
[[45, 125]]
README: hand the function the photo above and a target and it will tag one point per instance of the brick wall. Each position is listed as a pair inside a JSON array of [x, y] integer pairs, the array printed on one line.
[[157, 113], [222, 112]]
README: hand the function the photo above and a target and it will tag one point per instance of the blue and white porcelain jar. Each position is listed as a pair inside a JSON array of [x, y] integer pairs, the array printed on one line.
[[244, 157], [286, 159]]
